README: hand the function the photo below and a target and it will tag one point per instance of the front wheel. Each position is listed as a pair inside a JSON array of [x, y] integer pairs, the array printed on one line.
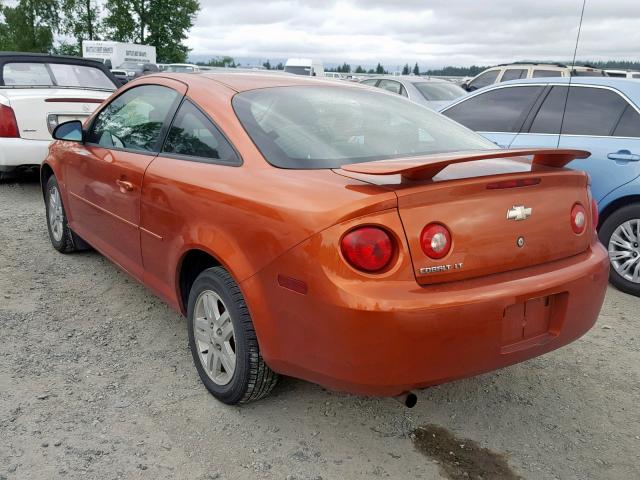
[[223, 341], [59, 232], [620, 234]]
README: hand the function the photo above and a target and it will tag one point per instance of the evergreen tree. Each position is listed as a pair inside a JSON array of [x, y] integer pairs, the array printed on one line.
[[267, 65], [380, 69], [416, 69], [405, 69]]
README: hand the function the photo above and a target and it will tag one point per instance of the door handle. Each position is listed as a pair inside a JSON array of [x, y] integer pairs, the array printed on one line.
[[124, 186], [624, 156]]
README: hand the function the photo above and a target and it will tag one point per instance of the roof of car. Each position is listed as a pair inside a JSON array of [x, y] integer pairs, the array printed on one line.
[[241, 82], [627, 85], [408, 78]]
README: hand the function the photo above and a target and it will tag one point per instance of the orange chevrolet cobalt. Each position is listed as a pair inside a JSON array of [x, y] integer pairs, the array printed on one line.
[[328, 231]]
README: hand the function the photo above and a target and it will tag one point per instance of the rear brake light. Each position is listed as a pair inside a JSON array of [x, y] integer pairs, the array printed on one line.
[[521, 182], [578, 219], [8, 124], [435, 240], [595, 216], [367, 248]]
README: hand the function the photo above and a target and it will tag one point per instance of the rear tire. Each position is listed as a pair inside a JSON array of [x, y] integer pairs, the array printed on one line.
[[223, 341], [620, 235]]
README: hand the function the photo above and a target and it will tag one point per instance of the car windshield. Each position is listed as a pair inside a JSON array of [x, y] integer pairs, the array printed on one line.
[[179, 68], [312, 127], [33, 74], [439, 91], [298, 70], [131, 66]]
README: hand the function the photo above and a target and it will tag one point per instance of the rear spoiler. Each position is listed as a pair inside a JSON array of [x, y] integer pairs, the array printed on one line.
[[428, 166]]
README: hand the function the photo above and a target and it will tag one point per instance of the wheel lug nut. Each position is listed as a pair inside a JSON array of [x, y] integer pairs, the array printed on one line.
[[219, 331]]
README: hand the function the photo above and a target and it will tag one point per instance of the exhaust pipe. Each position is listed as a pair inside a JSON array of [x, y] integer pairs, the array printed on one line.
[[408, 399]]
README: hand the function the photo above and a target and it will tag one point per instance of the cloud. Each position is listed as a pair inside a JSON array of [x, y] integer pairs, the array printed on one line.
[[433, 33]]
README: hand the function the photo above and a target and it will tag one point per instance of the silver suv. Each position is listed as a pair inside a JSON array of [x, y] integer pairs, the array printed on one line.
[[517, 71]]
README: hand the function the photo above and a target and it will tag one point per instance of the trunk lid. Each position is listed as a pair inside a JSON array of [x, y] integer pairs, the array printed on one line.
[[38, 110], [485, 213]]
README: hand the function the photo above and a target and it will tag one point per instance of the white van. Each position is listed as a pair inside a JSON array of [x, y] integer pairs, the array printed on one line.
[[304, 66]]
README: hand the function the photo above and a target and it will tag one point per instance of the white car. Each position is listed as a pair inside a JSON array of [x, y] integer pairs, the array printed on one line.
[[181, 68], [623, 73], [37, 92]]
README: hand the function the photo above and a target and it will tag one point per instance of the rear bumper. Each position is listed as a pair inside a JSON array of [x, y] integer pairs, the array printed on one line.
[[365, 339], [21, 152]]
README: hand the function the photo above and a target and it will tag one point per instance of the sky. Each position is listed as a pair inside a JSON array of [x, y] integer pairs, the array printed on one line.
[[433, 33]]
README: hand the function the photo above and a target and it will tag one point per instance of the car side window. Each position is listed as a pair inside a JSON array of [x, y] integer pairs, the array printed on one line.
[[391, 86], [372, 82], [629, 124], [513, 74], [484, 79], [549, 117], [592, 111], [499, 110], [133, 120], [192, 134], [546, 73]]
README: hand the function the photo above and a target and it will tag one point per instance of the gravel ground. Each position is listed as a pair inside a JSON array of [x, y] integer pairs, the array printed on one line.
[[96, 381]]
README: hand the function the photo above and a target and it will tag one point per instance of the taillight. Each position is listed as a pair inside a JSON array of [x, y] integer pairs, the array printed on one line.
[[435, 240], [8, 124], [595, 216], [367, 248], [578, 219]]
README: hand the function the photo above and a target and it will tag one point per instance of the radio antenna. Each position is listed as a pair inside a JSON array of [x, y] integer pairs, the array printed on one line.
[[571, 72]]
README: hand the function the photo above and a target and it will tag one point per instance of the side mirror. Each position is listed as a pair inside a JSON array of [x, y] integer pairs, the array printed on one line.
[[107, 63], [69, 131]]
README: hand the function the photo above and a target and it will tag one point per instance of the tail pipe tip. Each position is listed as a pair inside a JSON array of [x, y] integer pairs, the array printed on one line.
[[408, 399]]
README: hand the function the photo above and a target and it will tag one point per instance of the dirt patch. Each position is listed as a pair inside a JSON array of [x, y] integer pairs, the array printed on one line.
[[461, 458]]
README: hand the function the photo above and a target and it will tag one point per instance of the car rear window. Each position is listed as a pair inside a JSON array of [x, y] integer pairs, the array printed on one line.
[[439, 91], [36, 74], [306, 127]]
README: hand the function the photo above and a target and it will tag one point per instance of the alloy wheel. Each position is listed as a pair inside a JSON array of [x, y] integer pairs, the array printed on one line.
[[56, 214], [624, 250], [214, 337]]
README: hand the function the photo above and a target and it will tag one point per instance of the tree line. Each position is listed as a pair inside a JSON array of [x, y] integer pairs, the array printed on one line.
[[32, 25]]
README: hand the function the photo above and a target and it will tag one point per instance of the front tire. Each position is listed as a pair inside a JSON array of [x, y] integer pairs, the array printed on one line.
[[223, 341], [59, 232], [620, 234]]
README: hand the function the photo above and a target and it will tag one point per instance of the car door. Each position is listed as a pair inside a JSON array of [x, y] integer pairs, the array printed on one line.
[[194, 149], [605, 123], [104, 176], [497, 114]]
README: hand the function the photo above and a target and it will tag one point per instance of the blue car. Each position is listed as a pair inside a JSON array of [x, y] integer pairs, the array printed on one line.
[[603, 117]]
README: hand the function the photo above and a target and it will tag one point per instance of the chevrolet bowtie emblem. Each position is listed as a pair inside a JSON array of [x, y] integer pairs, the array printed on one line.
[[519, 212]]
